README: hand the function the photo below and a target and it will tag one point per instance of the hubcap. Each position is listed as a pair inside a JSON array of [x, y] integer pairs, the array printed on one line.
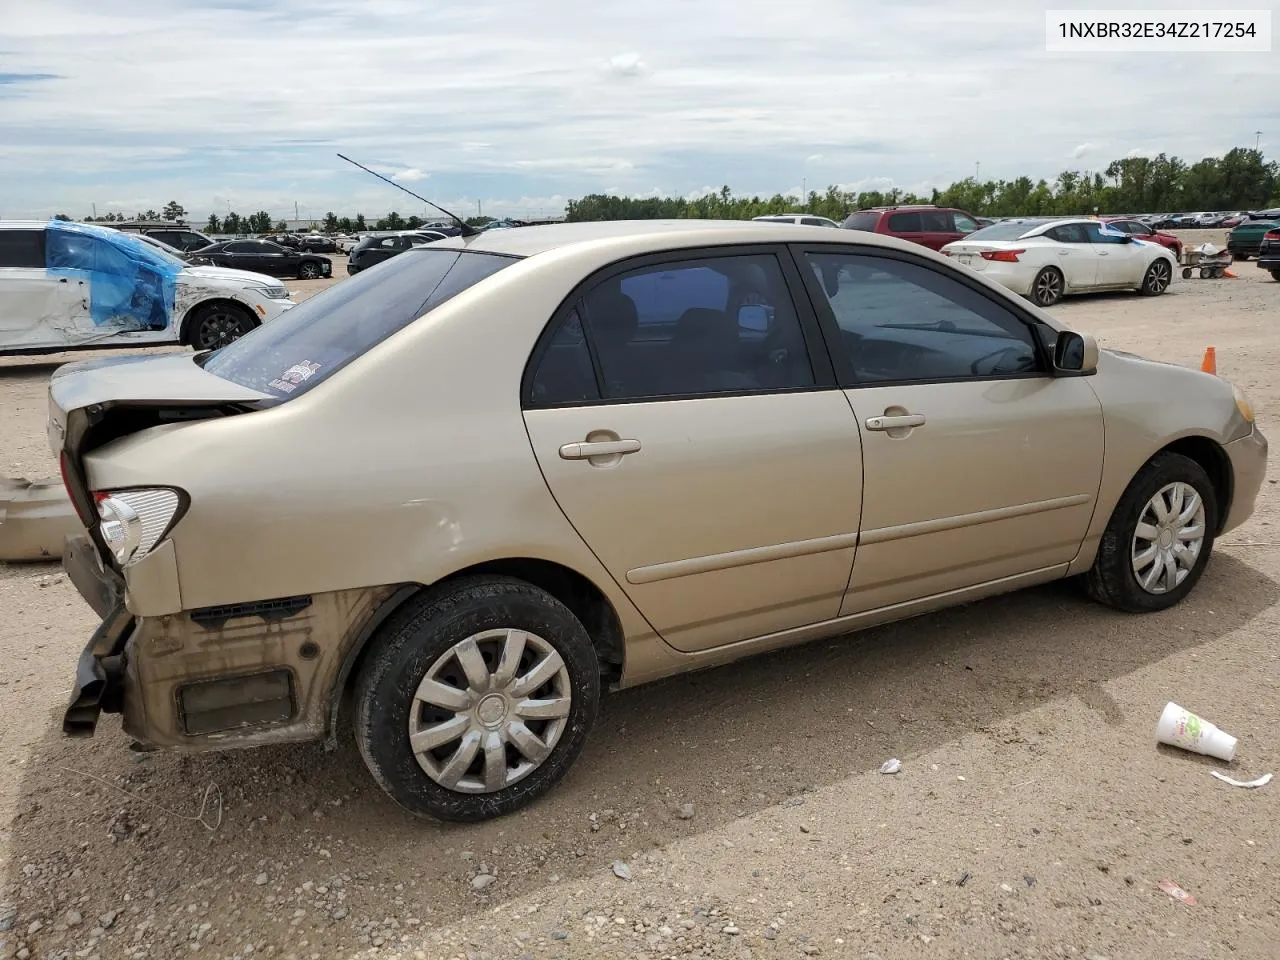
[[489, 711], [219, 329], [1168, 538]]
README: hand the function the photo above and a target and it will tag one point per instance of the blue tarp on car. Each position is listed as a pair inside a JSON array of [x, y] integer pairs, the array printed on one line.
[[131, 286]]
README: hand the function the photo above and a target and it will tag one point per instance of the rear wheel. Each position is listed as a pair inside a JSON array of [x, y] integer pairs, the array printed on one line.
[[1275, 274], [309, 271], [1159, 538], [475, 698], [1047, 287], [217, 324], [1156, 280]]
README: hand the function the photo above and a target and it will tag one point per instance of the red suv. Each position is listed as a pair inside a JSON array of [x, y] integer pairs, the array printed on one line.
[[932, 226]]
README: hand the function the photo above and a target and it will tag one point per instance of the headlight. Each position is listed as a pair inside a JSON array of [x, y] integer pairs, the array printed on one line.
[[1243, 404], [133, 521], [270, 291]]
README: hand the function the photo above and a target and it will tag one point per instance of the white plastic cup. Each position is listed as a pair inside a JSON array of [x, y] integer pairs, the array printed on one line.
[[1179, 727]]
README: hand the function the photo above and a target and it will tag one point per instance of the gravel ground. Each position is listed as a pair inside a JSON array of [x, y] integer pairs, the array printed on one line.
[[735, 813]]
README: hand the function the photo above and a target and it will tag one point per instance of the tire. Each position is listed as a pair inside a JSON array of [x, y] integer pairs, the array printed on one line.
[[1112, 579], [309, 270], [1156, 280], [1275, 275], [1186, 273], [217, 324], [423, 638], [1240, 257], [1048, 286]]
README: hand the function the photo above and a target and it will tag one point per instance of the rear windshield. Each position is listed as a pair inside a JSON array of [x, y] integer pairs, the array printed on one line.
[[862, 221], [303, 346], [1008, 230]]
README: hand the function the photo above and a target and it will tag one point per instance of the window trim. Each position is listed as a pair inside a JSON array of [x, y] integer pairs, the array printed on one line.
[[845, 376], [816, 345]]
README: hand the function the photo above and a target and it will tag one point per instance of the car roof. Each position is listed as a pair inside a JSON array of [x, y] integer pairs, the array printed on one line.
[[653, 235]]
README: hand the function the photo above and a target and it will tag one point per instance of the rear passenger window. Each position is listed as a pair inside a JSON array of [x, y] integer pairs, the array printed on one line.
[[936, 221], [697, 327], [22, 248], [564, 374], [904, 222]]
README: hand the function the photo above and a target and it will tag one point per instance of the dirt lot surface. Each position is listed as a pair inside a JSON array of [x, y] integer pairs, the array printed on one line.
[[1034, 816]]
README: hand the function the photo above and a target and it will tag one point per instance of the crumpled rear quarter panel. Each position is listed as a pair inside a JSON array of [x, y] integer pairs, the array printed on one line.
[[165, 653]]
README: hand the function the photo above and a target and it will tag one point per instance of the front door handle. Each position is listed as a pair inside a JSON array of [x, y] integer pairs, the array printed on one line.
[[894, 423], [590, 449]]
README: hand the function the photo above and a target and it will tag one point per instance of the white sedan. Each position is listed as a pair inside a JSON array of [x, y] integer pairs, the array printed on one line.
[[1044, 260]]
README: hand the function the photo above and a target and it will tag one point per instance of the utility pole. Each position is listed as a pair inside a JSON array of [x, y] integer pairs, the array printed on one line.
[[95, 211], [1257, 140], [977, 172], [804, 192], [478, 211]]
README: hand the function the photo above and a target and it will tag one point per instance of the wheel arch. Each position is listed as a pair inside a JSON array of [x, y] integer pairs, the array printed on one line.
[[1208, 453], [188, 318], [584, 599]]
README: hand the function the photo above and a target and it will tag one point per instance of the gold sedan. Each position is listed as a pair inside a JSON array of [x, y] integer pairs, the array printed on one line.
[[478, 483]]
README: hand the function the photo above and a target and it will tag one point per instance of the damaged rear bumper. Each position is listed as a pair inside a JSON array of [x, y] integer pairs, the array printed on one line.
[[99, 680]]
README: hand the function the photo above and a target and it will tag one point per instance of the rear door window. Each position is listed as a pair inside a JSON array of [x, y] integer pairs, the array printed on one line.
[[22, 248], [904, 222], [936, 221], [305, 345], [862, 221]]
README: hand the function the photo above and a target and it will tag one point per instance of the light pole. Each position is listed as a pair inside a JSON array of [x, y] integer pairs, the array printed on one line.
[[977, 172], [1257, 140]]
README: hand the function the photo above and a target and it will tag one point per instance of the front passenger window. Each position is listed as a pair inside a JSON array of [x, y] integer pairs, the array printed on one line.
[[903, 322]]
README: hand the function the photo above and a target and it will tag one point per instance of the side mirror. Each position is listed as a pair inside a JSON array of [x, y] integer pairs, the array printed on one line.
[[1075, 354], [754, 317]]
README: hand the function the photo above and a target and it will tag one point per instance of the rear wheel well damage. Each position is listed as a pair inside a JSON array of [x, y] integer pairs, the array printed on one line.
[[1214, 461], [583, 598]]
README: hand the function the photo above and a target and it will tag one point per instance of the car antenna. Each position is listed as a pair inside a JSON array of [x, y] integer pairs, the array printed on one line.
[[464, 230]]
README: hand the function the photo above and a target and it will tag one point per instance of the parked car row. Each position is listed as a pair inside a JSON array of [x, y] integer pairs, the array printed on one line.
[[264, 256]]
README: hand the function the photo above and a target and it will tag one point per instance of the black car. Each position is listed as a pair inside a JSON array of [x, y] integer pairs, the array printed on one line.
[[375, 249], [1269, 253], [317, 244], [263, 256], [289, 240], [179, 239]]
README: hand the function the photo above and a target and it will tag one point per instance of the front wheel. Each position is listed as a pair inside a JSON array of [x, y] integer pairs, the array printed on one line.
[[309, 271], [1156, 280], [1047, 287], [1159, 538], [1275, 275], [475, 698], [217, 324]]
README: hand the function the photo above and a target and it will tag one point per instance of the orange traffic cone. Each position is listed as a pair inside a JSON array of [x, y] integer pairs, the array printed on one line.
[[1210, 362], [1229, 274]]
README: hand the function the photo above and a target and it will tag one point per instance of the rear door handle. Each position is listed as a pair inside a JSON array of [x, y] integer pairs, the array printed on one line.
[[586, 450], [893, 423]]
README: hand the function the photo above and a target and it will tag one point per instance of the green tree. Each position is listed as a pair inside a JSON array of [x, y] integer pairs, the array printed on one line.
[[392, 221], [281, 226], [344, 225], [481, 221], [414, 222], [331, 222], [213, 226], [359, 224], [173, 210], [232, 223], [61, 216]]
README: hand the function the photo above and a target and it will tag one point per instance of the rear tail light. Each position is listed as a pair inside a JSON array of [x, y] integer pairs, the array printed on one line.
[[1004, 256], [132, 522], [1271, 235]]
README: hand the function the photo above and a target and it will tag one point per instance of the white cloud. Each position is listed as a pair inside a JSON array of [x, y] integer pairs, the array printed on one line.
[[498, 98], [1081, 150], [626, 65], [410, 175]]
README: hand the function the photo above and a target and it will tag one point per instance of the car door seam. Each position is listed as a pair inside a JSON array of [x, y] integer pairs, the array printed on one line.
[[905, 531]]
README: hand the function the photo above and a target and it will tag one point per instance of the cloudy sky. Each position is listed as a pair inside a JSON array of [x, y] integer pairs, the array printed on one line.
[[520, 105]]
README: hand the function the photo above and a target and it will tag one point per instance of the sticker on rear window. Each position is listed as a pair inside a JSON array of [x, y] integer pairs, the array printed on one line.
[[296, 375]]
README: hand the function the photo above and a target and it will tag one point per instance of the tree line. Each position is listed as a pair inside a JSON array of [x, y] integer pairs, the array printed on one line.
[[1241, 180]]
